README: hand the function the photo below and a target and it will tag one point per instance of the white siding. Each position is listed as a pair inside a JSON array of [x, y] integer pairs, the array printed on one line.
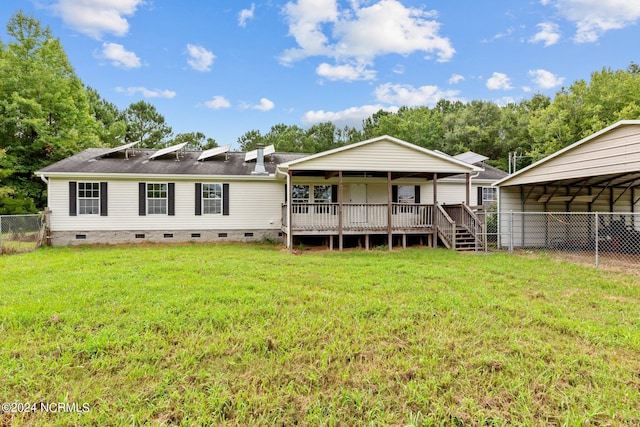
[[382, 155], [252, 205]]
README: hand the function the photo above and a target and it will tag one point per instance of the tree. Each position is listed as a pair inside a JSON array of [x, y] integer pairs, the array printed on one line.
[[44, 110], [112, 127], [146, 125], [195, 140]]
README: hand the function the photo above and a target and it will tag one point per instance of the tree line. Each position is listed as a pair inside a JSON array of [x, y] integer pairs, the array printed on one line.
[[47, 114]]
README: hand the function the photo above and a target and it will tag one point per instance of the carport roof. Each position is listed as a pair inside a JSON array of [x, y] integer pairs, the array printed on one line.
[[610, 157]]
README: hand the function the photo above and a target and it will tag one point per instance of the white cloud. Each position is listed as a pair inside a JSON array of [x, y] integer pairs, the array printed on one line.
[[593, 18], [499, 81], [97, 17], [345, 72], [455, 79], [351, 116], [362, 33], [545, 79], [217, 103], [409, 96], [264, 105], [119, 56], [245, 15], [200, 59], [398, 69], [146, 93], [549, 34]]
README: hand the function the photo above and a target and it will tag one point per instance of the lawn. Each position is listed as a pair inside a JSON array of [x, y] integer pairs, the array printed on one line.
[[252, 335]]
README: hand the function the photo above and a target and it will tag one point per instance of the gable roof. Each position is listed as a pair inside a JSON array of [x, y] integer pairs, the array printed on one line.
[[612, 150], [381, 154]]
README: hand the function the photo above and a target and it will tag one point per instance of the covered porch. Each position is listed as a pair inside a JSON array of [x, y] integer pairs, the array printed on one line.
[[378, 189]]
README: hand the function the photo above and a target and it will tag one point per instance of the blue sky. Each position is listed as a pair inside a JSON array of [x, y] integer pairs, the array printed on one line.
[[226, 67]]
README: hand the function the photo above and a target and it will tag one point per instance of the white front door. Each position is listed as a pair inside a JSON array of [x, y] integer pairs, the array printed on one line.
[[358, 194]]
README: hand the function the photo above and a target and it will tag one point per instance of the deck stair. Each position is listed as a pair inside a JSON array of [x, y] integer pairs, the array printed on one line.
[[466, 241]]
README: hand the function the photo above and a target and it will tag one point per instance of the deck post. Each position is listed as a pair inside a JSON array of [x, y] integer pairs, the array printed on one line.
[[389, 211], [366, 242], [289, 210], [434, 240], [340, 237], [331, 242]]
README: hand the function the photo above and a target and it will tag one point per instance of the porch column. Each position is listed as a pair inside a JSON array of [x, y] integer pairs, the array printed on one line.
[[468, 180], [389, 211], [435, 204], [340, 237], [289, 210]]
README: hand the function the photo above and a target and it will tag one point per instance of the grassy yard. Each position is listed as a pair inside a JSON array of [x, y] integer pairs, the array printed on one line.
[[246, 335]]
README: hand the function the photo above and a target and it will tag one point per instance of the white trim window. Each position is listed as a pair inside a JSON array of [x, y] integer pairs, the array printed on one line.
[[212, 199], [321, 194], [300, 194], [489, 196], [157, 198], [88, 198]]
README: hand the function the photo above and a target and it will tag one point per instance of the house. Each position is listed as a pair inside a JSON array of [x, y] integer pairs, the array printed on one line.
[[600, 173], [383, 188]]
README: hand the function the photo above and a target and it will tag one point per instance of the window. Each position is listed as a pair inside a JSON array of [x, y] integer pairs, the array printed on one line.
[[322, 194], [156, 199], [300, 194], [211, 198], [489, 196], [88, 198], [406, 194]]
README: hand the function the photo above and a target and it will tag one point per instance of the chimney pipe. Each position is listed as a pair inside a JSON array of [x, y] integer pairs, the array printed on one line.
[[259, 169]]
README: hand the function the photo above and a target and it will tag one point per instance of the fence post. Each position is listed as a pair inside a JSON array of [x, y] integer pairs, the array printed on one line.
[[597, 241], [0, 234], [510, 232]]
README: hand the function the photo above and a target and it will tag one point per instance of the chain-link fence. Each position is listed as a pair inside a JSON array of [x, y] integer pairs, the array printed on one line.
[[611, 239], [20, 233]]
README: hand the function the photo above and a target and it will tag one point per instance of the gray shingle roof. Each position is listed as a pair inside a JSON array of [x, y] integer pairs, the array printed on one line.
[[90, 162]]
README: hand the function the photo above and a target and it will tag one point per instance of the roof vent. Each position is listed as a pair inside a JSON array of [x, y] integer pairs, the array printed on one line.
[[259, 169]]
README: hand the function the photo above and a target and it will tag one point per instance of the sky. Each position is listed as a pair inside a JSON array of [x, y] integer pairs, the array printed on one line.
[[226, 67]]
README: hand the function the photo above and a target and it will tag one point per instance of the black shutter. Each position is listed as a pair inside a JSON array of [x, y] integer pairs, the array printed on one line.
[[198, 198], [416, 193], [394, 193], [103, 199], [286, 193], [479, 201], [171, 196], [225, 199], [142, 198], [73, 211], [334, 194]]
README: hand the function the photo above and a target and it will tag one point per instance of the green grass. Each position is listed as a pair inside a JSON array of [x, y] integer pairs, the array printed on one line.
[[246, 335]]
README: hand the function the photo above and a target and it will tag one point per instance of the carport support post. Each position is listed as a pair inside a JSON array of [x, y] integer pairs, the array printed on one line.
[[597, 240], [510, 232], [0, 234]]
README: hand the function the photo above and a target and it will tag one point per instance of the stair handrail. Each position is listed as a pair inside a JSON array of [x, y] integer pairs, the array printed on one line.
[[473, 224], [445, 226]]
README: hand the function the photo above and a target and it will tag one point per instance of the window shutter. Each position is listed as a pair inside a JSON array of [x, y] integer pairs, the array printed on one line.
[[73, 211], [171, 198], [103, 199], [286, 193], [394, 193], [142, 198], [334, 194], [416, 194], [225, 199], [198, 198], [479, 201]]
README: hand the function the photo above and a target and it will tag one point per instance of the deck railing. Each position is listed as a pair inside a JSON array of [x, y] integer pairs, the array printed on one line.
[[446, 227], [358, 217], [464, 217]]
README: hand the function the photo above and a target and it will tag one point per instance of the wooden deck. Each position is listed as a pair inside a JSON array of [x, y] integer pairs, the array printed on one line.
[[435, 222]]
